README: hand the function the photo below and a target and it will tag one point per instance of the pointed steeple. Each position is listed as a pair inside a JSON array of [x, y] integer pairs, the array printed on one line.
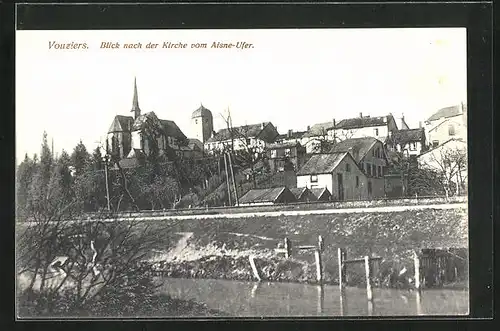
[[135, 102]]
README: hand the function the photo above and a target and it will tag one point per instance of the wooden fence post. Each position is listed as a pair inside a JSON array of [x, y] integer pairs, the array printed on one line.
[[288, 248], [320, 243], [341, 258], [369, 293], [319, 266], [416, 262], [254, 268]]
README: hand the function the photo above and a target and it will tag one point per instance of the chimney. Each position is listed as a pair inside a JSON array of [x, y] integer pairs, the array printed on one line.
[[290, 133], [420, 124], [262, 125], [361, 115]]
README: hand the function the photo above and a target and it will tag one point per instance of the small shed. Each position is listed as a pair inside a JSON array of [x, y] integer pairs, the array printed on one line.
[[303, 194], [268, 196], [321, 193]]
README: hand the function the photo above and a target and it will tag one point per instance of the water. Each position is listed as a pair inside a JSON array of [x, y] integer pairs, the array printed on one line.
[[248, 299]]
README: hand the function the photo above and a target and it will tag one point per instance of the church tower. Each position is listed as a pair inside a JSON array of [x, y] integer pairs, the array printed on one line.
[[135, 102], [202, 124]]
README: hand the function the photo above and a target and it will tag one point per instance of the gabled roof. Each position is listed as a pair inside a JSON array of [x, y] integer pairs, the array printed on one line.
[[298, 191], [245, 131], [445, 112], [319, 191], [192, 142], [405, 136], [444, 144], [172, 130], [262, 195], [121, 124], [358, 147], [322, 163], [319, 129], [361, 122], [201, 112]]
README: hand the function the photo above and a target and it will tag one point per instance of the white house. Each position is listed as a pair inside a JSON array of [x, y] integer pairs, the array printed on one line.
[[380, 127], [447, 123]]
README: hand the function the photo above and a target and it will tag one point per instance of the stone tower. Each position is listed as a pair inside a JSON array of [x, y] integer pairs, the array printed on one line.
[[202, 124]]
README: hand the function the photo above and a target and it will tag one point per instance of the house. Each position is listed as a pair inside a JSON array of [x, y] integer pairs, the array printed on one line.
[[450, 160], [447, 123], [254, 137], [321, 193], [285, 156], [316, 136], [380, 127], [303, 194], [408, 142], [339, 173], [267, 196], [290, 137], [142, 132]]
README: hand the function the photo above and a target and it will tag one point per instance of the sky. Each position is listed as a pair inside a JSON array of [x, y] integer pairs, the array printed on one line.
[[291, 77]]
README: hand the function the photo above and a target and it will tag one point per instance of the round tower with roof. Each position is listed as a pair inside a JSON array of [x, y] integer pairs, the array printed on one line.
[[202, 124]]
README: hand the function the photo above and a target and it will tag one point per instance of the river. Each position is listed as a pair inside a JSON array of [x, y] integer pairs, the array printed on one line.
[[248, 299]]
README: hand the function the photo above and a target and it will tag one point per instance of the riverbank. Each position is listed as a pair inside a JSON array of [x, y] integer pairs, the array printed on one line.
[[220, 248]]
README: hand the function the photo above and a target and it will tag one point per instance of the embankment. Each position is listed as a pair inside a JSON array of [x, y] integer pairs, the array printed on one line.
[[219, 247]]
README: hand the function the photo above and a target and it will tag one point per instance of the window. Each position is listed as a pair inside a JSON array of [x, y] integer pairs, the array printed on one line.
[[369, 169], [361, 165], [248, 141], [369, 187], [196, 121], [451, 130], [357, 181], [413, 146], [314, 178], [376, 132], [435, 143], [287, 152], [273, 153], [347, 167], [380, 171]]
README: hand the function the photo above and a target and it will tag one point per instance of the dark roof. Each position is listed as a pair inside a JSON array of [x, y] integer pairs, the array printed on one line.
[[358, 147], [262, 195], [361, 122], [318, 129], [445, 112], [172, 130], [121, 123], [318, 191], [141, 120], [245, 131], [294, 135], [298, 191], [195, 142], [321, 163], [405, 136], [202, 111]]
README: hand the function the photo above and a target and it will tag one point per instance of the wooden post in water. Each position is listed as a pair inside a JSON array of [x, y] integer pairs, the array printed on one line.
[[254, 268], [319, 266], [416, 263], [369, 293], [341, 258]]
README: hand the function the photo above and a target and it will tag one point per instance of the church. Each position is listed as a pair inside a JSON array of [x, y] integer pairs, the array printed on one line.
[[133, 137]]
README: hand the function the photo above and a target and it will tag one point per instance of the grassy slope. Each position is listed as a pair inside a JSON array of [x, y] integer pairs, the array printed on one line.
[[390, 235]]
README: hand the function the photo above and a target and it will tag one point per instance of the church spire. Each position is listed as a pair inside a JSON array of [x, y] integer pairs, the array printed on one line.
[[135, 101]]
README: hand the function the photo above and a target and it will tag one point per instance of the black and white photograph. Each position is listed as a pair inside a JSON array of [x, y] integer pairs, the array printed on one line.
[[208, 173]]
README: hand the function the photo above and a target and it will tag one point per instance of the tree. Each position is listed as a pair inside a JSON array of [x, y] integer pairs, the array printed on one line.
[[80, 158], [24, 176]]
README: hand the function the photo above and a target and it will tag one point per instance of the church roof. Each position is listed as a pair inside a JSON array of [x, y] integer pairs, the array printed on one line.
[[121, 123], [201, 112], [170, 128]]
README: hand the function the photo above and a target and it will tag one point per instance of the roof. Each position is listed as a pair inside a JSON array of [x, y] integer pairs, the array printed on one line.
[[321, 164], [361, 122], [446, 112], [262, 195], [202, 111], [318, 191], [318, 129], [245, 131], [293, 135], [289, 144], [298, 191], [443, 144], [192, 142], [121, 123], [358, 147], [404, 136], [141, 120], [172, 130]]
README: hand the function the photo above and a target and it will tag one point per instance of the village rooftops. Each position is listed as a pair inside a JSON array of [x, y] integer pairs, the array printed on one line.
[[300, 192], [242, 132], [446, 112], [195, 142], [319, 129], [321, 192], [358, 147], [322, 163], [361, 122], [263, 195], [405, 136]]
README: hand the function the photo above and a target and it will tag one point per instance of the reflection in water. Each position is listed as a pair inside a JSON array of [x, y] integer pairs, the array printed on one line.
[[291, 299]]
